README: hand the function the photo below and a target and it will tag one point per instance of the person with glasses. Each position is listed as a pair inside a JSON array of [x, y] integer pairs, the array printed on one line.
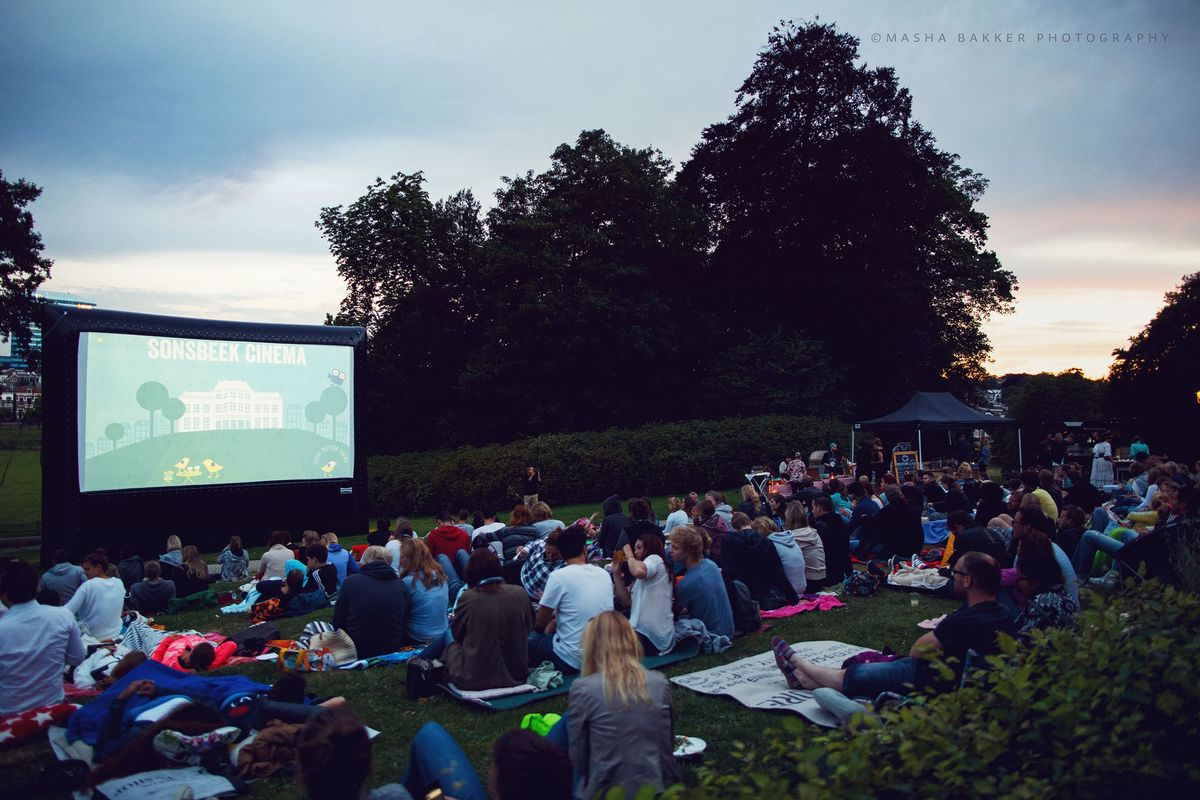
[[972, 627]]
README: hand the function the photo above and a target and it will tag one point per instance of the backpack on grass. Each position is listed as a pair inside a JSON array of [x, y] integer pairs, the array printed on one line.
[[746, 617]]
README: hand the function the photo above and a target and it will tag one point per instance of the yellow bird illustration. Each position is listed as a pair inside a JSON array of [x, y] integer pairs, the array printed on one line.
[[214, 469], [183, 463], [328, 468], [168, 475]]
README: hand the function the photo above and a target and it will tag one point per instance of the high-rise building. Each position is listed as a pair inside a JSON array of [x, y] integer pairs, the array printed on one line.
[[13, 354]]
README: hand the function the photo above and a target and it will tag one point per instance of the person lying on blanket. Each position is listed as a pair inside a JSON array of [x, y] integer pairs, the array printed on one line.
[[973, 627]]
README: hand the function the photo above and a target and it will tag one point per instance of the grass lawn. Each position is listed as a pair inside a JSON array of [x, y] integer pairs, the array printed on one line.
[[378, 695], [21, 493]]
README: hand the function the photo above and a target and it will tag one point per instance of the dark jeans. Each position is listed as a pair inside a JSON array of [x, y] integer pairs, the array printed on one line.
[[541, 648], [874, 678], [453, 578], [435, 757]]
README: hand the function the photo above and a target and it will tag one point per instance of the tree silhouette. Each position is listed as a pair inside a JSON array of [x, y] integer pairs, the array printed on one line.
[[152, 396], [22, 268], [314, 412], [173, 409], [114, 431], [333, 400]]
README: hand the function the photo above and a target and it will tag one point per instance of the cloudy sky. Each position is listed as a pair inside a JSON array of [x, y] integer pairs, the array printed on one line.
[[186, 148]]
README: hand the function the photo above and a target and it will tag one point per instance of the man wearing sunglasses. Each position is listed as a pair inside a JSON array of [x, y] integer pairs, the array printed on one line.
[[972, 627]]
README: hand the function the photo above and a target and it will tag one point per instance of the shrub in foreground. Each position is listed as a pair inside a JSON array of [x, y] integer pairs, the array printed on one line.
[[1110, 709]]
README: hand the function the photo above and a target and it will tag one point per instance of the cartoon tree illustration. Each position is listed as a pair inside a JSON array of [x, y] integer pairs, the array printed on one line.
[[152, 396], [333, 400], [114, 431], [173, 409], [314, 412]]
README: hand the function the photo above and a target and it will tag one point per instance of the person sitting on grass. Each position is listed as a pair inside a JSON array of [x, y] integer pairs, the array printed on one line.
[[486, 646], [574, 594], [152, 593], [340, 557], [98, 603], [64, 577], [543, 519], [234, 561], [428, 592], [275, 607], [272, 564], [372, 606], [973, 627], [193, 577], [643, 523], [174, 554], [518, 533], [650, 601], [754, 561], [35, 642], [541, 558], [525, 765], [809, 538], [321, 574], [700, 593], [1049, 605], [448, 543], [618, 726]]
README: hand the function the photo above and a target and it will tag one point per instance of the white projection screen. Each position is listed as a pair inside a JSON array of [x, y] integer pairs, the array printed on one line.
[[163, 412]]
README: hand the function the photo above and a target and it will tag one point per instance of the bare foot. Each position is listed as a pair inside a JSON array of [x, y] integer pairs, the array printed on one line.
[[801, 669]]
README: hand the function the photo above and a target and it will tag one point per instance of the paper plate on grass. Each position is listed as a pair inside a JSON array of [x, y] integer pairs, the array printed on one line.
[[688, 746]]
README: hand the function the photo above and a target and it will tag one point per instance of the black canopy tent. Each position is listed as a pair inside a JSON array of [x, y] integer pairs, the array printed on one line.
[[940, 411]]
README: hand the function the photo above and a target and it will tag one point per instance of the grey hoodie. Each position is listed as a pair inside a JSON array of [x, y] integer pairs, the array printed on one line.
[[726, 513], [792, 558], [63, 578]]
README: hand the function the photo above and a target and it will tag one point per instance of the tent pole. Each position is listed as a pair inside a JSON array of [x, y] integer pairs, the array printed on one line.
[[920, 458], [1020, 452], [852, 445]]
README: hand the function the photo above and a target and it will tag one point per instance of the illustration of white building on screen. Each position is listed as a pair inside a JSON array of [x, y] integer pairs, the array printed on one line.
[[231, 405]]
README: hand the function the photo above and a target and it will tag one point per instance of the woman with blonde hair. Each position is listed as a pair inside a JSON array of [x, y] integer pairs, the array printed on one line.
[[618, 721], [174, 554], [428, 592], [751, 502]]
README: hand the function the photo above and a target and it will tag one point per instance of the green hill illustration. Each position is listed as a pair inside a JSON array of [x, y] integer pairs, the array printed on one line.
[[212, 458]]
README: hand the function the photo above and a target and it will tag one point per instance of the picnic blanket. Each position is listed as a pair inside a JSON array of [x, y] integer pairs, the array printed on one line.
[[756, 681], [516, 696], [816, 602], [86, 722]]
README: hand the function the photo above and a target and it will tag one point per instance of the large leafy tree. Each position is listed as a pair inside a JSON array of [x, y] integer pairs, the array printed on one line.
[[588, 311], [1154, 379], [410, 266], [833, 209], [22, 268]]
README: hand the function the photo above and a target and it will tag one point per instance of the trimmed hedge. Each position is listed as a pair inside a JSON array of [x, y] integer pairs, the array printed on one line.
[[1110, 709], [579, 467]]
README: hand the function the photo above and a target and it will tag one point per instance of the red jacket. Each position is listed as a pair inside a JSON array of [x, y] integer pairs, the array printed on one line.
[[446, 540]]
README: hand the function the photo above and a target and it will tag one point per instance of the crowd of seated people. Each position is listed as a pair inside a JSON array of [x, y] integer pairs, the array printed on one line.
[[494, 600]]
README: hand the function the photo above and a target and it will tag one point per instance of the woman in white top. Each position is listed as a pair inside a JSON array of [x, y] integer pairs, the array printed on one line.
[[1102, 466], [98, 603], [651, 602]]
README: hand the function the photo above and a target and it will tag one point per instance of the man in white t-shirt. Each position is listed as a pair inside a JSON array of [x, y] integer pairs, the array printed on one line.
[[574, 594], [98, 603], [489, 524]]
